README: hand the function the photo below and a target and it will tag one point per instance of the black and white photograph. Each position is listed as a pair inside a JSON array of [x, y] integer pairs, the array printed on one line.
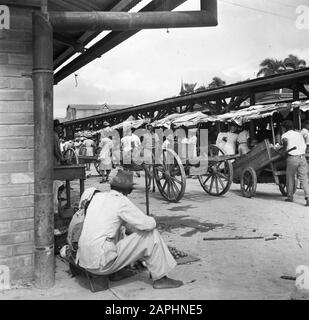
[[154, 151]]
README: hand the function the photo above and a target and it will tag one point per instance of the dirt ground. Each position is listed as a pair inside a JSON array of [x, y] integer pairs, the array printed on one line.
[[227, 269]]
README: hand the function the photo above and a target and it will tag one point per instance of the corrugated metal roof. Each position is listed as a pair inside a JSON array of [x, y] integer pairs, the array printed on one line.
[[238, 116]]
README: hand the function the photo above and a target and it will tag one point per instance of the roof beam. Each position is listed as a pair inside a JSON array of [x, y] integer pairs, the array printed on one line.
[[108, 42], [85, 21], [119, 21], [245, 87], [22, 3], [78, 46], [123, 5]]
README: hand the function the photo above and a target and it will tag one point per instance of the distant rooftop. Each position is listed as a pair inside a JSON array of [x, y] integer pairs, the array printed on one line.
[[77, 111], [110, 107]]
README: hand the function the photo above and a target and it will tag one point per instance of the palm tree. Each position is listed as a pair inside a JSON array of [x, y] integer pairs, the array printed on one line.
[[293, 62], [187, 88], [271, 66], [200, 88], [216, 83]]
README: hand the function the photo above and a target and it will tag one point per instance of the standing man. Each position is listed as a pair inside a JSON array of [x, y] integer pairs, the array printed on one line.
[[105, 156], [130, 145], [101, 252], [90, 145], [296, 160], [243, 140], [58, 158], [150, 143]]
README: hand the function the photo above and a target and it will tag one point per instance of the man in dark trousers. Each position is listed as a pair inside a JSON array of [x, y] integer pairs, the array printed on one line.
[[296, 160]]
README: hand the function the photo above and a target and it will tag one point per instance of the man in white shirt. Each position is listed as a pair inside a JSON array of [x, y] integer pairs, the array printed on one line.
[[150, 143], [130, 146], [296, 160], [243, 140], [101, 252]]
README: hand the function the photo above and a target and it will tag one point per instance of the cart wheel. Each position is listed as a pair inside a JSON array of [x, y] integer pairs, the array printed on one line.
[[70, 156], [248, 182], [218, 178], [170, 176]]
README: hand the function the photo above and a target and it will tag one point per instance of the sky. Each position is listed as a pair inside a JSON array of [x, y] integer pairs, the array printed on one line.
[[151, 65]]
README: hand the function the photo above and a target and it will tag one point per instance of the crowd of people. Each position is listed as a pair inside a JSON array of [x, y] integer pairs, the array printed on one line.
[[115, 233], [112, 232], [235, 140]]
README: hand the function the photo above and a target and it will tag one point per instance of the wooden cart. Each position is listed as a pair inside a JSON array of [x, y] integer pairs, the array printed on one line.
[[171, 178], [71, 157], [262, 164]]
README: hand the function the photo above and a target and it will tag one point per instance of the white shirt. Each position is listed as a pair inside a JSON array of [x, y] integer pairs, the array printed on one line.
[[305, 134], [126, 142], [192, 147], [220, 143], [150, 140], [243, 136], [295, 139], [230, 145], [106, 213]]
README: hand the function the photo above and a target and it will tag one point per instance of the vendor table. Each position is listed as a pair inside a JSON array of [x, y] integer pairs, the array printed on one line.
[[69, 173]]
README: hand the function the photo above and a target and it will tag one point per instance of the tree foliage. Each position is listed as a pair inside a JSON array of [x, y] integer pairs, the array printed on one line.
[[270, 66]]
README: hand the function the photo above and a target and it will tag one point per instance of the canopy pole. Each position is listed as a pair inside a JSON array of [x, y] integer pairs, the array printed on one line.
[[147, 189], [272, 129], [299, 118], [42, 74]]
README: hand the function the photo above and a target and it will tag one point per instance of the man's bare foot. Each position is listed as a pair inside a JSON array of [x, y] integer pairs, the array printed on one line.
[[166, 283]]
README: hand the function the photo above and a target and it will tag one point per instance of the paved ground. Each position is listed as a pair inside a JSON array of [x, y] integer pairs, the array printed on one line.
[[227, 269]]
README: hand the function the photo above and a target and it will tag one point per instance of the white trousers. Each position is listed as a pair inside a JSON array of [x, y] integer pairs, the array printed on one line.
[[146, 245]]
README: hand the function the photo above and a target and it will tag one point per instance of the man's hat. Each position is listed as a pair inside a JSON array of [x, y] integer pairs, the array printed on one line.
[[56, 123], [122, 180], [105, 124]]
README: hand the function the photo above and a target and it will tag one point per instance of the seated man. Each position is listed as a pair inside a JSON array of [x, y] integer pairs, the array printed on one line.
[[99, 250]]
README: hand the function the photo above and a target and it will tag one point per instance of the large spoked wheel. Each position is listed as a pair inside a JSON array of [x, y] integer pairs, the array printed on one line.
[[70, 156], [219, 176], [170, 176], [248, 182]]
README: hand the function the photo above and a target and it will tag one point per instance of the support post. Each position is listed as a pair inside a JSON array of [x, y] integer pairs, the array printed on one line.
[[44, 259], [272, 129]]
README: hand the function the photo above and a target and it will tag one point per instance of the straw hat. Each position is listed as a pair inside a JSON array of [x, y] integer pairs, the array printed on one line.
[[122, 180]]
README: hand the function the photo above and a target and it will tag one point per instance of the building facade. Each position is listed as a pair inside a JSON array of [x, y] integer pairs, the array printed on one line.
[[16, 143], [77, 111]]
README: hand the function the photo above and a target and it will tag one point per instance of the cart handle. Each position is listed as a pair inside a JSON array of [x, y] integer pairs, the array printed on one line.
[[280, 155]]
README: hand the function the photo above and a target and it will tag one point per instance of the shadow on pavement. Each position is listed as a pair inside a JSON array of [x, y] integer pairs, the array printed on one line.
[[175, 222]]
